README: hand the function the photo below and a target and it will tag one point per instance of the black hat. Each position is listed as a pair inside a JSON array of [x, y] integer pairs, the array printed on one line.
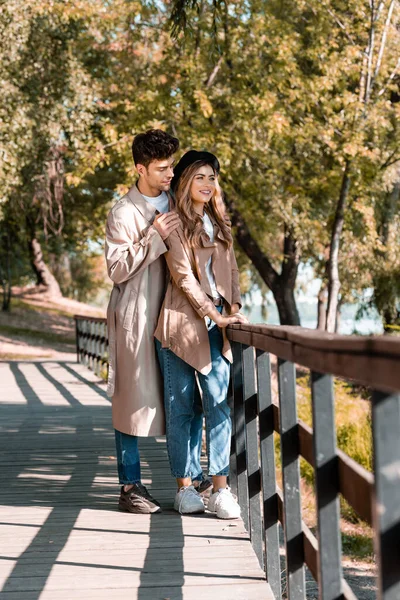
[[188, 159]]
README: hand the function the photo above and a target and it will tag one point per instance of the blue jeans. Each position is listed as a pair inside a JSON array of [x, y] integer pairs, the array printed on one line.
[[128, 458], [179, 392], [196, 437]]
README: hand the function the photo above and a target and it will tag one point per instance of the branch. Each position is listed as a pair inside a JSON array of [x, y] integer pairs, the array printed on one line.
[[251, 248], [391, 77], [333, 266], [383, 42], [389, 163], [214, 73], [341, 25], [370, 53], [378, 12]]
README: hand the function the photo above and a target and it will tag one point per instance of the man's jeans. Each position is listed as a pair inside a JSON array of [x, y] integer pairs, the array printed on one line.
[[128, 457], [179, 390]]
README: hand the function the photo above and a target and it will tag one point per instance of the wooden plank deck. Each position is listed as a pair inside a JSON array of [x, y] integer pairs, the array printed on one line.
[[61, 535]]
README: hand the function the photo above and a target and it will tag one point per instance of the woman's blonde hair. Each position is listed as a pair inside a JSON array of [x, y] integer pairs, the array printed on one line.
[[191, 221]]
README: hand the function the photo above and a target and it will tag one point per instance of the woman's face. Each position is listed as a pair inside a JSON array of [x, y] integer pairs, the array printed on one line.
[[203, 187]]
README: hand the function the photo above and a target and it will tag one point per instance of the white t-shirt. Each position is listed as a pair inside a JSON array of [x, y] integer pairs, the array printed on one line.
[[209, 229], [160, 202]]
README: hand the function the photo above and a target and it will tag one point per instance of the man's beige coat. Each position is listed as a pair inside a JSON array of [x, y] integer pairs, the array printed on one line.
[[135, 264]]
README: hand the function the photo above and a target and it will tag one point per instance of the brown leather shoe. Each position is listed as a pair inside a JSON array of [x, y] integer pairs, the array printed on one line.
[[138, 500]]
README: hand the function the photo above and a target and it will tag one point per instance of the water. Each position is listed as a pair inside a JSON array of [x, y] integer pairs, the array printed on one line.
[[369, 324]]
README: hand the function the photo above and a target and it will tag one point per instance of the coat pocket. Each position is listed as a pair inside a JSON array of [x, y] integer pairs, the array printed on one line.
[[130, 311]]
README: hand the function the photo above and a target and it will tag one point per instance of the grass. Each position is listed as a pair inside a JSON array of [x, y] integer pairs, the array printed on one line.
[[17, 303], [358, 546], [45, 336]]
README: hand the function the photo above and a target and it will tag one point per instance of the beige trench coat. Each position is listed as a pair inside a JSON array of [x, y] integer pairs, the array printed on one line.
[[135, 263], [181, 325]]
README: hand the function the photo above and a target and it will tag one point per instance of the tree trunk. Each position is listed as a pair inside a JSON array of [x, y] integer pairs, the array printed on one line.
[[41, 270], [333, 264], [281, 285], [286, 304], [5, 274], [322, 305], [386, 300], [338, 316]]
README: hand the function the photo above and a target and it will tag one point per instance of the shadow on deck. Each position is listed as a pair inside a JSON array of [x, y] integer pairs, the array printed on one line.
[[61, 536]]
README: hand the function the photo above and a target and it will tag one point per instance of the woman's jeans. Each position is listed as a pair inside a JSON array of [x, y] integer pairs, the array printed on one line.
[[179, 392], [128, 457]]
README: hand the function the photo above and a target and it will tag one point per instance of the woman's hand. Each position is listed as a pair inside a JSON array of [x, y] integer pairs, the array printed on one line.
[[225, 320]]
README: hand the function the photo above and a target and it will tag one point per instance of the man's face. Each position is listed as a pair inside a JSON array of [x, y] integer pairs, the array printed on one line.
[[158, 175]]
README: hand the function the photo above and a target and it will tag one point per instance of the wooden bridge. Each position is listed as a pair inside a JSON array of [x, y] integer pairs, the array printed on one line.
[[62, 538], [61, 535]]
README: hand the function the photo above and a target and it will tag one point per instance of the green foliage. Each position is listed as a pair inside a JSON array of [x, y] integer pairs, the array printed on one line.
[[47, 122], [280, 91]]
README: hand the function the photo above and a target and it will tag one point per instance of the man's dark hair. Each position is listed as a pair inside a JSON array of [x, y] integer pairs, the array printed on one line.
[[155, 144]]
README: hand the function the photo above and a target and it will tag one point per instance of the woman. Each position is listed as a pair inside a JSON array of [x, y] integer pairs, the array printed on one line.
[[202, 298]]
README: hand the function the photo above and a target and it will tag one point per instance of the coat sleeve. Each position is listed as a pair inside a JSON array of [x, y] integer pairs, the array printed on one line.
[[126, 257], [182, 273], [236, 298]]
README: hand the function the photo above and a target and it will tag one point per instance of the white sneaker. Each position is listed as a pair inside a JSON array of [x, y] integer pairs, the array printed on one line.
[[224, 504], [188, 501]]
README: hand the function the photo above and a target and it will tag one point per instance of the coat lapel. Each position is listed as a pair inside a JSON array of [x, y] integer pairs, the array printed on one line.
[[146, 209]]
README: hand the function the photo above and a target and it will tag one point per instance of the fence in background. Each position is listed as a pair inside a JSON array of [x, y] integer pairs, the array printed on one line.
[[256, 415], [92, 343]]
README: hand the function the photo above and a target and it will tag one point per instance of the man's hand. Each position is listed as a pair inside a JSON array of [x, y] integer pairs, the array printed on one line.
[[166, 223]]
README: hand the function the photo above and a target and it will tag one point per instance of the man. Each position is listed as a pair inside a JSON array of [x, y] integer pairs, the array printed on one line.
[[137, 228]]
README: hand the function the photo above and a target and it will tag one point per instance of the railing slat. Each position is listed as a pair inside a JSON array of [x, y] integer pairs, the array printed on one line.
[[252, 451], [327, 487], [240, 441], [386, 435], [291, 480], [268, 475], [232, 459]]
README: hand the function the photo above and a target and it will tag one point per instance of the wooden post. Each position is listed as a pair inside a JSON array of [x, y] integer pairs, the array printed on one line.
[[291, 481], [327, 488], [77, 339], [232, 460], [268, 474], [386, 435], [252, 451], [240, 432]]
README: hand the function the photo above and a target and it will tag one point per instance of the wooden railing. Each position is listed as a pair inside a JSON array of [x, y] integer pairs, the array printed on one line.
[[371, 361], [92, 342]]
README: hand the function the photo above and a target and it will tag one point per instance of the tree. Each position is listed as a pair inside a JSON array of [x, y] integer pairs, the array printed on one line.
[[317, 79], [47, 113]]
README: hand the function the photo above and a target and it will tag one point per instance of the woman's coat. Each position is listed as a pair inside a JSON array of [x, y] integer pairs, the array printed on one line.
[[181, 326], [135, 263]]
